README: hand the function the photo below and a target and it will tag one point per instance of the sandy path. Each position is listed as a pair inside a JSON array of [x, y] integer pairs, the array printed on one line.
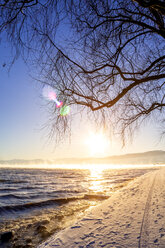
[[132, 217]]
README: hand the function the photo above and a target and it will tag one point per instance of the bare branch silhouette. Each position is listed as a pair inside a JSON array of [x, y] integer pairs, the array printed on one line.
[[111, 59]]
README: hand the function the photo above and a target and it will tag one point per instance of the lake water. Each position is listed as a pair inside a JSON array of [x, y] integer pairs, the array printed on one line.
[[32, 189], [35, 203]]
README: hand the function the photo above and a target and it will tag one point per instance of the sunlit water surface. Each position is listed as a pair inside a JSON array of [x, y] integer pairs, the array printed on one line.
[[38, 202], [24, 190]]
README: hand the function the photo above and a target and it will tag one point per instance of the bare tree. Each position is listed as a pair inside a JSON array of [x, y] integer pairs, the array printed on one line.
[[113, 61]]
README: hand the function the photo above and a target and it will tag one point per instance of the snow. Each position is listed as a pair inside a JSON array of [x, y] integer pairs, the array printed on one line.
[[131, 217]]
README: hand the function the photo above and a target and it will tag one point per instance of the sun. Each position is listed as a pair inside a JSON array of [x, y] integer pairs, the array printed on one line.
[[97, 143]]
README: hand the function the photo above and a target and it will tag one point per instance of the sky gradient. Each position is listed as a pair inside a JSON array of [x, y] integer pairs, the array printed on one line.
[[23, 113]]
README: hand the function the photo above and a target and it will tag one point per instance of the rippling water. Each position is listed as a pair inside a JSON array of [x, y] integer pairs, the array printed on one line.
[[32, 189], [36, 203]]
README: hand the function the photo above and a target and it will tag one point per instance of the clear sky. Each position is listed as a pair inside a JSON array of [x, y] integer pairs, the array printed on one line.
[[23, 113]]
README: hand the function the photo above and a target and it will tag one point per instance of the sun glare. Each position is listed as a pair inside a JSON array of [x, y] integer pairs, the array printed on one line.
[[97, 144]]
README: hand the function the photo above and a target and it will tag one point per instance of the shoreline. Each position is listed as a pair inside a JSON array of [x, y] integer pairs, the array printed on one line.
[[33, 230], [132, 217]]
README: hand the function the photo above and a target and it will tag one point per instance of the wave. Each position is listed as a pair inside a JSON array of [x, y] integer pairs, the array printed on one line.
[[14, 181], [95, 197], [8, 189], [50, 202], [10, 196]]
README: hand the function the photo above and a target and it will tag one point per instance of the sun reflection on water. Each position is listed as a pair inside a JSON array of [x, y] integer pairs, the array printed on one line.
[[96, 177]]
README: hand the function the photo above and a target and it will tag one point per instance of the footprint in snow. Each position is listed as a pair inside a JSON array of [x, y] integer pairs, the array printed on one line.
[[75, 227]]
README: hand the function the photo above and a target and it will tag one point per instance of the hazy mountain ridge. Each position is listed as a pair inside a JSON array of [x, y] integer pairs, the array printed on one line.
[[149, 157]]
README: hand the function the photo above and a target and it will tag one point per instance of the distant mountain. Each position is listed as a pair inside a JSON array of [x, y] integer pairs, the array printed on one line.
[[150, 157]]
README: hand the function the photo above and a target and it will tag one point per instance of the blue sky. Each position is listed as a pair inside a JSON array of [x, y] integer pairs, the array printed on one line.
[[19, 108], [23, 113]]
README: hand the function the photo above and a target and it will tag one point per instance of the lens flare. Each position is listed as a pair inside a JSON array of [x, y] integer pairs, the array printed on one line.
[[49, 93], [64, 110], [52, 96], [58, 104]]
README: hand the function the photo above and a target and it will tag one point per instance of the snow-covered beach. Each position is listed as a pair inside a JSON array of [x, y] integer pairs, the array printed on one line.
[[38, 203], [131, 217]]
